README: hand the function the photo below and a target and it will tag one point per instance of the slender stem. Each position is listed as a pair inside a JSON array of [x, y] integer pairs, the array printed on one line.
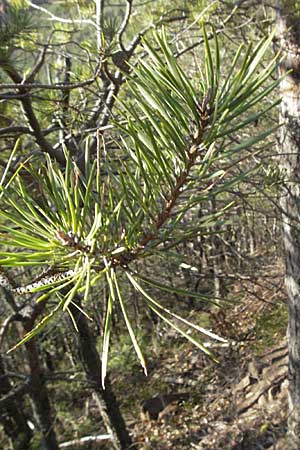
[[99, 22]]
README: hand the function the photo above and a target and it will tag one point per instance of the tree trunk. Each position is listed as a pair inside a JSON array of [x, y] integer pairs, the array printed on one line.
[[288, 18], [38, 390], [11, 415], [40, 398], [36, 386], [105, 398]]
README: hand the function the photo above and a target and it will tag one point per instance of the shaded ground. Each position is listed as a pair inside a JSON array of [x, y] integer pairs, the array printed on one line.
[[240, 404]]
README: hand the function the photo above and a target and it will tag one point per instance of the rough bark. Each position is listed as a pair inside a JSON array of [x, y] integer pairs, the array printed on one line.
[[105, 398], [289, 32]]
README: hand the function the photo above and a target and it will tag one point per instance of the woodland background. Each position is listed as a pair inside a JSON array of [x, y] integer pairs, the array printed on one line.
[[57, 88]]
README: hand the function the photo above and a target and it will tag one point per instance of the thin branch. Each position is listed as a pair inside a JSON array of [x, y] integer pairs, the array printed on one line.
[[55, 86], [210, 36], [118, 79], [19, 376], [44, 145], [85, 440], [6, 323], [65, 378], [99, 21], [23, 84], [28, 109], [13, 96], [124, 24], [15, 130], [60, 19], [137, 39], [111, 98], [30, 115], [38, 65], [18, 392], [11, 131]]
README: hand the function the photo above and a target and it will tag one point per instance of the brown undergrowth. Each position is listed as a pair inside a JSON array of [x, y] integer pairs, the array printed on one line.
[[238, 404]]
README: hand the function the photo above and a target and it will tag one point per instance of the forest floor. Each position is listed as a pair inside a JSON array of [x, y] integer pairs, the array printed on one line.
[[189, 402]]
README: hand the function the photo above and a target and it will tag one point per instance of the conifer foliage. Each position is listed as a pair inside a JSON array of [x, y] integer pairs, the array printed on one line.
[[82, 227]]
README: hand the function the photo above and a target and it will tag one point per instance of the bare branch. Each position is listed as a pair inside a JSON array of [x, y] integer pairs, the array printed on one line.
[[18, 392], [99, 21], [15, 130], [124, 24], [60, 19], [210, 36], [109, 99], [85, 440], [137, 39], [38, 65], [54, 86], [13, 96], [44, 145], [6, 323], [19, 376]]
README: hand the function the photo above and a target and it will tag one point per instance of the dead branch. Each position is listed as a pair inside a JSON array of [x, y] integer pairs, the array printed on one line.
[[85, 440]]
